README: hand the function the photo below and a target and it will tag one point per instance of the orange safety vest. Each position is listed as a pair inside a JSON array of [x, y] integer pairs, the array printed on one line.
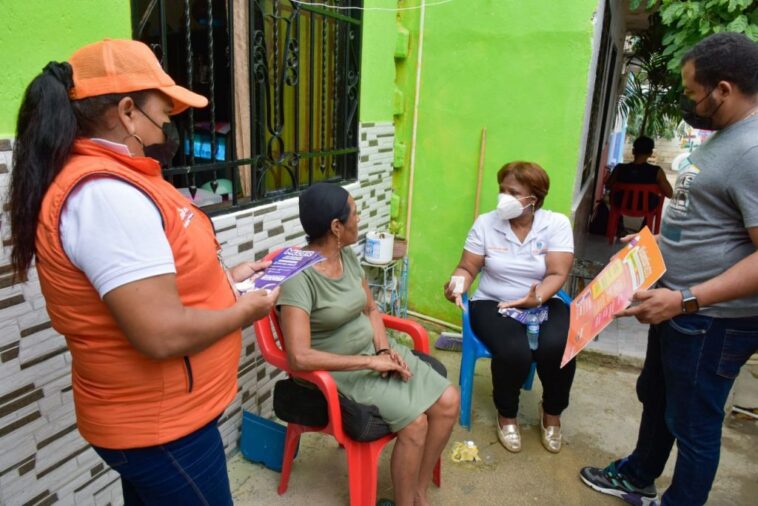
[[123, 398]]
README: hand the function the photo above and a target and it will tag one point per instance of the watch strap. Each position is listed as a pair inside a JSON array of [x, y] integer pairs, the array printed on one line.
[[689, 302]]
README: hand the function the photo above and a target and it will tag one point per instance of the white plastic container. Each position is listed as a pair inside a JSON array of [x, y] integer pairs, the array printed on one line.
[[378, 248]]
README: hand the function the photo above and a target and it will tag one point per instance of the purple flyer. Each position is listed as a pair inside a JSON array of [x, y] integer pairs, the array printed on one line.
[[283, 266]]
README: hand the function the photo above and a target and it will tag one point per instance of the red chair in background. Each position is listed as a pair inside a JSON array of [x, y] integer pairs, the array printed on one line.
[[362, 457], [635, 202]]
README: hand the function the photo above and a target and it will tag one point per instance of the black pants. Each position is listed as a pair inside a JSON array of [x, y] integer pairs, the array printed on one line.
[[512, 358]]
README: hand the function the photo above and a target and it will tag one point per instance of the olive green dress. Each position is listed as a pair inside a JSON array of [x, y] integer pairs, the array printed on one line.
[[338, 325]]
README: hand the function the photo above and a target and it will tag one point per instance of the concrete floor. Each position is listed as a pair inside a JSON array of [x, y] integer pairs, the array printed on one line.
[[600, 425], [625, 337]]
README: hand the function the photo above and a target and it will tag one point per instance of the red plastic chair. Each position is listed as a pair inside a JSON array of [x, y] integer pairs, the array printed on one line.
[[362, 457], [635, 202]]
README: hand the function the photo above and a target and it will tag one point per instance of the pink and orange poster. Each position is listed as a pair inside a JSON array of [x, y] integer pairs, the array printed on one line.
[[637, 266]]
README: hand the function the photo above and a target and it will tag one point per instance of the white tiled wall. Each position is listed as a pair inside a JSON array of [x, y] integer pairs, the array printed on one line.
[[43, 460]]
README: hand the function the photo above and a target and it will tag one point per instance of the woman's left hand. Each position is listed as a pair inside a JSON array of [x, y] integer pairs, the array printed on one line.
[[244, 270], [530, 300], [397, 359]]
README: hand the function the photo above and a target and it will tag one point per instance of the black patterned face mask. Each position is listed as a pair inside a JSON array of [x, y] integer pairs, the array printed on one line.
[[164, 151]]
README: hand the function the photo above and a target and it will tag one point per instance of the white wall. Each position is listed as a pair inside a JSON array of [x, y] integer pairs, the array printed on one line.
[[43, 459]]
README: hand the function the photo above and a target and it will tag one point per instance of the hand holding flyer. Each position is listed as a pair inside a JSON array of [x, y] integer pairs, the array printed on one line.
[[636, 267], [249, 283], [285, 265]]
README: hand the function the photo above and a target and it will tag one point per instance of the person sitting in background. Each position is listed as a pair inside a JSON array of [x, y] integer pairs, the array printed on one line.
[[640, 171], [524, 254], [330, 322]]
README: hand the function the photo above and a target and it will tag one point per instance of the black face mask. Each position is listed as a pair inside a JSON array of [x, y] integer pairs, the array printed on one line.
[[164, 151], [687, 106]]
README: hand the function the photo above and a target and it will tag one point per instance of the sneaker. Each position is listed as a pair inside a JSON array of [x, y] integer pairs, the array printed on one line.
[[610, 481]]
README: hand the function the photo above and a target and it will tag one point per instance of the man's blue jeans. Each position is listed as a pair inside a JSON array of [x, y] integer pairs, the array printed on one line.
[[188, 471], [691, 364]]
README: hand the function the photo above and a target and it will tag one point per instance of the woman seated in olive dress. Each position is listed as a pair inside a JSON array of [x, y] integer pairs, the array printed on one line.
[[330, 322]]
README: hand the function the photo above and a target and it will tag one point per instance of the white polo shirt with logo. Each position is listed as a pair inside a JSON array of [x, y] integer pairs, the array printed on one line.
[[511, 266]]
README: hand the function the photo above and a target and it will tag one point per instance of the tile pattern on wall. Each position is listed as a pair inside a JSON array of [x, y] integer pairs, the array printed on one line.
[[43, 459]]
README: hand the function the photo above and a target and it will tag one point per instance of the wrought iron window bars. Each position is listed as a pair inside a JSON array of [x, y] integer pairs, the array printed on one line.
[[283, 114]]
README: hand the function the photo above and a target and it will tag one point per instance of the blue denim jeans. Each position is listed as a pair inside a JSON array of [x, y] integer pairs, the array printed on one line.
[[188, 471], [690, 366]]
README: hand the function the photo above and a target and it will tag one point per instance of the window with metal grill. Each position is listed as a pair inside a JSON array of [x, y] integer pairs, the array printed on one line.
[[282, 78]]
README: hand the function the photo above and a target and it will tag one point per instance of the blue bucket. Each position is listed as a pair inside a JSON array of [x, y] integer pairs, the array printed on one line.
[[262, 441]]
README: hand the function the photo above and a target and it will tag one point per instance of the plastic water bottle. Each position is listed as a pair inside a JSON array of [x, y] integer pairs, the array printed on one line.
[[533, 330]]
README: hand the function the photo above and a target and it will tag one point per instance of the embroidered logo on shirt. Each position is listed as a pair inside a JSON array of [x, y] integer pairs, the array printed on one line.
[[186, 215], [539, 247]]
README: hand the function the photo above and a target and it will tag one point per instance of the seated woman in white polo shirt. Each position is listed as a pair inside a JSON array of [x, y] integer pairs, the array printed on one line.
[[524, 254]]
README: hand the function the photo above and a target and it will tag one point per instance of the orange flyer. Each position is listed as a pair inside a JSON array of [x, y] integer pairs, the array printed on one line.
[[637, 266]]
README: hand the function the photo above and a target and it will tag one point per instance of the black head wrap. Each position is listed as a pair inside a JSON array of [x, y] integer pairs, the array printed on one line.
[[319, 205]]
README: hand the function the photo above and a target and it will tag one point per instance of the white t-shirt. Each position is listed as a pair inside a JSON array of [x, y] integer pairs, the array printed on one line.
[[113, 232], [510, 266]]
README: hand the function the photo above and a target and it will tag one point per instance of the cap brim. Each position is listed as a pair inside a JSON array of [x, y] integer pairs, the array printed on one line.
[[183, 98]]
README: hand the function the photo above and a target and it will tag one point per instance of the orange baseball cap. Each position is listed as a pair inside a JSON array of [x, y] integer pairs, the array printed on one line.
[[121, 66]]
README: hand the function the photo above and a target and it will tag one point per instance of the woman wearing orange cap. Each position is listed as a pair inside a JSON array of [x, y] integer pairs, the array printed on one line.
[[129, 270]]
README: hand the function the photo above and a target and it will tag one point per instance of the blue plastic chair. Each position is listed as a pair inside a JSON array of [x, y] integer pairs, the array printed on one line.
[[473, 350]]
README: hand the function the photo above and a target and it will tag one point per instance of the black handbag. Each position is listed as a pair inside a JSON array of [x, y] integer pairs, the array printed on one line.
[[599, 220], [304, 404]]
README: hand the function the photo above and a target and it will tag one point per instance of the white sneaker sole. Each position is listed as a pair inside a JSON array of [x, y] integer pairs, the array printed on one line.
[[624, 496]]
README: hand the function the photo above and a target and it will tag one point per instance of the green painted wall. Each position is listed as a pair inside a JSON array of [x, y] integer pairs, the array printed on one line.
[[518, 68], [405, 82], [34, 32], [377, 64]]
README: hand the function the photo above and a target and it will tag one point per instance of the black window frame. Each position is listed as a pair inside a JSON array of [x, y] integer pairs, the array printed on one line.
[[329, 150]]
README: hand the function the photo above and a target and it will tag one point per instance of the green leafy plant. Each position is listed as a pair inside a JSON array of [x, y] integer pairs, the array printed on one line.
[[688, 22], [649, 111], [651, 96]]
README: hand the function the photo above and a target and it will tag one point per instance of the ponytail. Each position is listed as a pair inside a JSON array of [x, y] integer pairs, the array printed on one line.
[[48, 123], [45, 132]]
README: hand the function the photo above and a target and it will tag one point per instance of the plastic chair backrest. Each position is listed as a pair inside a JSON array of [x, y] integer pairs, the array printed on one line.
[[272, 348], [466, 315], [469, 338], [635, 199], [269, 334], [565, 297], [635, 202]]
